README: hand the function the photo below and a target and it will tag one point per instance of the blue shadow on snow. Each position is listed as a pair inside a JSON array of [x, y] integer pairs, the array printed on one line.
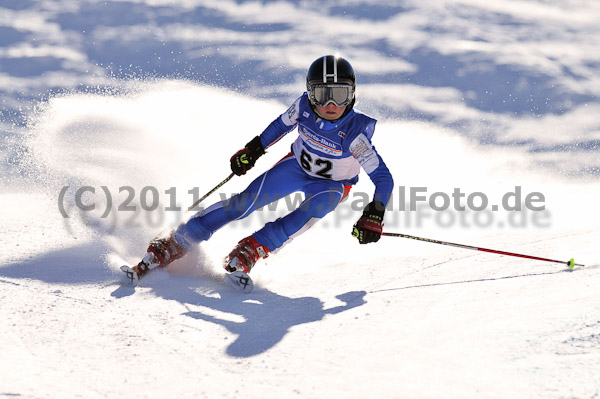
[[82, 264], [268, 316]]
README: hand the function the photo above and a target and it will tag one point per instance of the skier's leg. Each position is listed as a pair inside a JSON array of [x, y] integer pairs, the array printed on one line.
[[281, 180], [322, 197]]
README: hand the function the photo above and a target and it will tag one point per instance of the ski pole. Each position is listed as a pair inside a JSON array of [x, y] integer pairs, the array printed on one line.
[[218, 186], [571, 263]]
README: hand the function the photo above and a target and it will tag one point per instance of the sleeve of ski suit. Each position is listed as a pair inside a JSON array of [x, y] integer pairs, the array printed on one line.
[[281, 126], [373, 164]]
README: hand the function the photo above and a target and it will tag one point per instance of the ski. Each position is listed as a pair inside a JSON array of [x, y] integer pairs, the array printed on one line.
[[135, 273], [240, 281], [237, 280], [131, 274]]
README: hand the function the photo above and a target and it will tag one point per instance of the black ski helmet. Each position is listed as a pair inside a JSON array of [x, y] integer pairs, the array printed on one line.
[[330, 69]]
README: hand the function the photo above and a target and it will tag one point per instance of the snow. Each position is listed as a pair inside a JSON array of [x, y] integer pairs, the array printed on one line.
[[327, 317]]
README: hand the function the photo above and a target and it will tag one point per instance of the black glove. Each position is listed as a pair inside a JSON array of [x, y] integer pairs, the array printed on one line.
[[370, 225], [243, 160]]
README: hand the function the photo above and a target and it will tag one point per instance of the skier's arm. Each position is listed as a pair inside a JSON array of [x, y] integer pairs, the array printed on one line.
[[243, 160], [373, 164], [281, 126], [370, 225]]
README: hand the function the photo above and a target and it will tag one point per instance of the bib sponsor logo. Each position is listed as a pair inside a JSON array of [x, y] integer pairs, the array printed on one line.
[[320, 143]]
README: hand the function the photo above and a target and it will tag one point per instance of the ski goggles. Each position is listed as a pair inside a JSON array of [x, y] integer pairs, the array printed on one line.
[[338, 94]]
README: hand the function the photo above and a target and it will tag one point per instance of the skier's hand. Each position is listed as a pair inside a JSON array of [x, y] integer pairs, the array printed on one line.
[[370, 225], [243, 160]]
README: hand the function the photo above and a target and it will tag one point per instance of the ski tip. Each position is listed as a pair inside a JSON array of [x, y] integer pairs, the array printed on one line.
[[131, 275], [240, 281]]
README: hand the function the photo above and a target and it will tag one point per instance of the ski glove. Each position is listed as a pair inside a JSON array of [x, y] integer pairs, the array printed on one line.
[[370, 225], [243, 160]]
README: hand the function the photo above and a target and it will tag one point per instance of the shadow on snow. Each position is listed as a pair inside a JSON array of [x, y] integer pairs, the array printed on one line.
[[267, 316], [82, 264]]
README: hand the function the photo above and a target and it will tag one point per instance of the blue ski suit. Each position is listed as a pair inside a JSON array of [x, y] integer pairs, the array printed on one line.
[[324, 163]]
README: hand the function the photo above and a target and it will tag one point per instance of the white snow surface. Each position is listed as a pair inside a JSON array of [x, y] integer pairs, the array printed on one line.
[[328, 318]]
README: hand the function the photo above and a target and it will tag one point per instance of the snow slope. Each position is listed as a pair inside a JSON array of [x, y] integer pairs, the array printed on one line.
[[328, 317], [490, 99]]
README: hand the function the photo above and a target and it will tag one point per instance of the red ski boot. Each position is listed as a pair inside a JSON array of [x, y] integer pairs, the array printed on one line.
[[245, 254], [165, 250], [160, 253]]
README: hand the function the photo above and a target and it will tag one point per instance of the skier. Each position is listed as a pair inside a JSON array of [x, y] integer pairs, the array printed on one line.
[[334, 142]]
